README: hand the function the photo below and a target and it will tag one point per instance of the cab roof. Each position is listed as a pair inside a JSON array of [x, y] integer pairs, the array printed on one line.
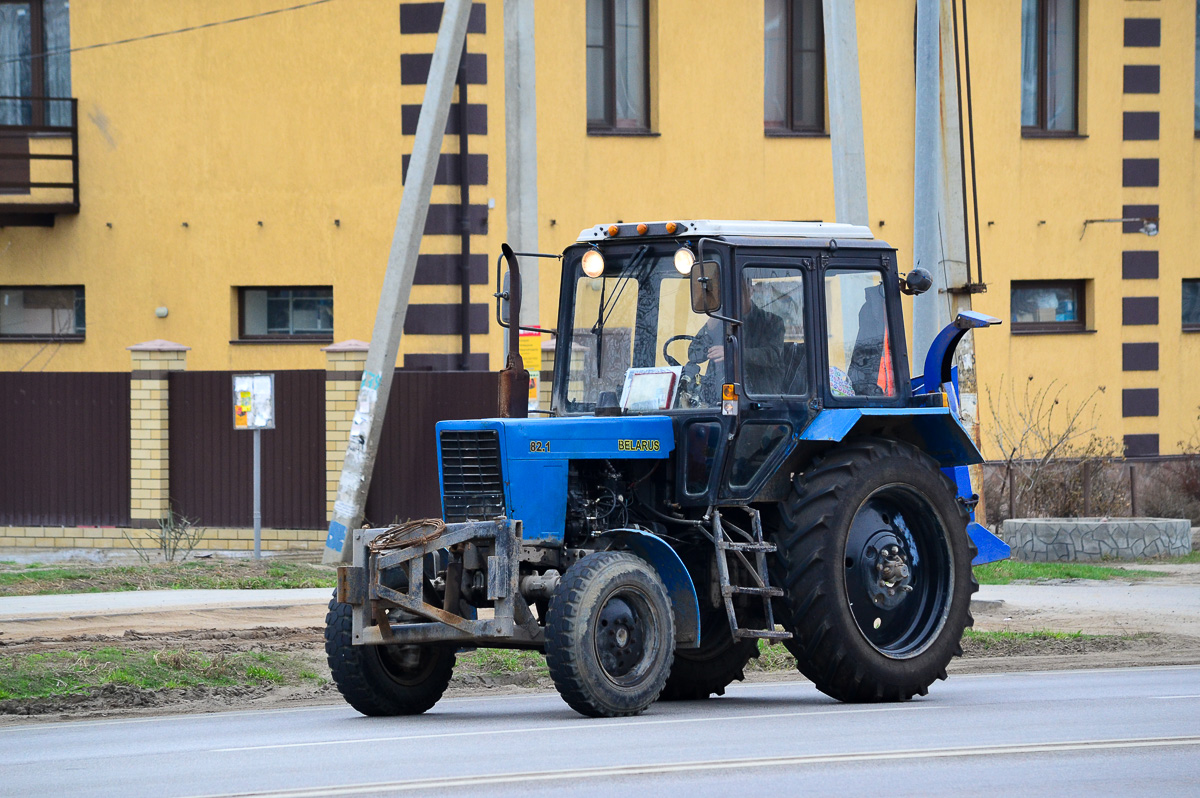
[[716, 227]]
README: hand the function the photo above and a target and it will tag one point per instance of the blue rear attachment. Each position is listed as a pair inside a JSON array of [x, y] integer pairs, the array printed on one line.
[[939, 430], [534, 453]]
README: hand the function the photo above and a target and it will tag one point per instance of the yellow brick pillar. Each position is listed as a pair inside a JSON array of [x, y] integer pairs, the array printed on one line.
[[149, 428], [343, 373]]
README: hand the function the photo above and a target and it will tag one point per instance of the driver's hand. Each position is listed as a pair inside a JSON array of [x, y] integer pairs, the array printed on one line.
[[716, 354]]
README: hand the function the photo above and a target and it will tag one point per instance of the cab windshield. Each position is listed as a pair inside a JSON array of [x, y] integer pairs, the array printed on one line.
[[634, 334]]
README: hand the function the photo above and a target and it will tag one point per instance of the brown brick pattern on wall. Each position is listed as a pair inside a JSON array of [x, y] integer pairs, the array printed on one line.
[[1139, 307], [440, 264]]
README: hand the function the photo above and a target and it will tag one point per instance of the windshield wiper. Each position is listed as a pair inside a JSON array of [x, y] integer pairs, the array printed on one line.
[[602, 317]]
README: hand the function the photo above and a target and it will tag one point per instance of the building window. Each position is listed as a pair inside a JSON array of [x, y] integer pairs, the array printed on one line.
[[794, 67], [34, 38], [1191, 304], [618, 80], [1048, 306], [1049, 66], [42, 313], [296, 313]]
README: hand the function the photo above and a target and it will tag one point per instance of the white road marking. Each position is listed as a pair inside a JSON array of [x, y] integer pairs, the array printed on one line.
[[578, 725], [1167, 697], [726, 764]]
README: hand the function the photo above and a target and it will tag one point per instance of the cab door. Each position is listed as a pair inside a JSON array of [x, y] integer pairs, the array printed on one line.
[[774, 356], [702, 434]]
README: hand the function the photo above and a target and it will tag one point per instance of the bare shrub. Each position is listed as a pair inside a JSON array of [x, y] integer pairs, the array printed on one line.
[[176, 535], [1049, 445], [1174, 489]]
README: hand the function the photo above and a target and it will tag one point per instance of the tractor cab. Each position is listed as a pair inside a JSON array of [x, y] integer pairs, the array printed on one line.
[[740, 332]]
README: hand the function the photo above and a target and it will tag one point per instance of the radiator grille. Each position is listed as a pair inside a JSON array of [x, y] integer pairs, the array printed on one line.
[[472, 485]]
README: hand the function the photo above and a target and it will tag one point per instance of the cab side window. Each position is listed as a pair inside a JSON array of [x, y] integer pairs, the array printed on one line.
[[859, 347], [773, 339]]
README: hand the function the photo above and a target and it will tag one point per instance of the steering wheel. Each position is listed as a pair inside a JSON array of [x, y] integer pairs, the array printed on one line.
[[670, 360]]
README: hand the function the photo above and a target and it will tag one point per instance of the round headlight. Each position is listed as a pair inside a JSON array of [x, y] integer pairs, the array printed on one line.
[[593, 263], [684, 260]]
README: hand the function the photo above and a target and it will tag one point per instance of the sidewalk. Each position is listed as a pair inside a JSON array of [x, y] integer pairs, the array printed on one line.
[[1093, 607]]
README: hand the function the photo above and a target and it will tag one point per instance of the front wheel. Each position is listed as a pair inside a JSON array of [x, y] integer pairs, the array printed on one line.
[[875, 564], [384, 680], [610, 635]]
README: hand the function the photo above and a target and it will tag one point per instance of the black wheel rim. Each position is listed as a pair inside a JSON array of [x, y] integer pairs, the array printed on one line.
[[407, 665], [626, 637], [898, 576]]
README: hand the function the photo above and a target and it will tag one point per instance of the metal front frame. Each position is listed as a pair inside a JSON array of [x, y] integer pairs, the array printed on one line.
[[512, 623]]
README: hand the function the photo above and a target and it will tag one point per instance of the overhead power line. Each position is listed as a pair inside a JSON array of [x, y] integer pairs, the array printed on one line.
[[159, 35]]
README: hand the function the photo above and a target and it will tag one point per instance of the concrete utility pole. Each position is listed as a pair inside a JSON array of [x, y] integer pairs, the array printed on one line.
[[520, 145], [939, 237], [397, 282], [845, 112]]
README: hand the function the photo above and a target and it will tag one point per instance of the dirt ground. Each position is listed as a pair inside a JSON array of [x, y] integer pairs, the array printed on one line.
[[1141, 639]]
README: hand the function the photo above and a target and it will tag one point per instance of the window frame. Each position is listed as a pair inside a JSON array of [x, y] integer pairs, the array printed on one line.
[[1039, 130], [1185, 325], [1052, 327], [279, 338], [80, 297], [790, 128], [608, 125], [38, 74]]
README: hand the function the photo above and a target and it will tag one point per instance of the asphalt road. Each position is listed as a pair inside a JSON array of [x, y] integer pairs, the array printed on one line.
[[1128, 732]]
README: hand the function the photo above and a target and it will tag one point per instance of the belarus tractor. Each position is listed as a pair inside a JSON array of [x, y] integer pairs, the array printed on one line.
[[736, 450]]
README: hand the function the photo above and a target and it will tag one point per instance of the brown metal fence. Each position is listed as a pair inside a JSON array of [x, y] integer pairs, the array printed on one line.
[[64, 449], [212, 463], [405, 482]]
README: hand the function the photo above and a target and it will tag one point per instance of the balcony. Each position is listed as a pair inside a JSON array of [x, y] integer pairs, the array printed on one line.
[[39, 160]]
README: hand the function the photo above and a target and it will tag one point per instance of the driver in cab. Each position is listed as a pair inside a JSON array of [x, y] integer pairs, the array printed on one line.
[[762, 348]]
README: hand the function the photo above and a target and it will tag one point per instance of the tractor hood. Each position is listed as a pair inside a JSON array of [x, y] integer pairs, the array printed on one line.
[[522, 462]]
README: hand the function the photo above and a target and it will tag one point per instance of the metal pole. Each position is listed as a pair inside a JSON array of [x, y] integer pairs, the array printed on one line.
[[257, 494], [930, 311], [464, 221], [397, 282], [1087, 488], [845, 112], [520, 147], [1133, 502]]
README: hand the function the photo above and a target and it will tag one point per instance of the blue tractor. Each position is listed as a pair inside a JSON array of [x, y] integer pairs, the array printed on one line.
[[736, 450]]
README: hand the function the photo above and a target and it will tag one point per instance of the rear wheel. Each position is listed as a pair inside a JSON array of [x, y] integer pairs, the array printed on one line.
[[720, 661], [875, 564], [610, 635], [384, 680]]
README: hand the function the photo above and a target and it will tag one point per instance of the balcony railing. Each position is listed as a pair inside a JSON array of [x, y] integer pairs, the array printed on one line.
[[39, 160]]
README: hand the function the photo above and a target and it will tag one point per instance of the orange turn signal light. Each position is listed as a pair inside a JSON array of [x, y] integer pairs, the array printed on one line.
[[613, 230], [671, 228], [642, 228], [728, 392]]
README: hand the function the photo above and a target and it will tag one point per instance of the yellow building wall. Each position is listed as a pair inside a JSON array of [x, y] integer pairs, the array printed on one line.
[[188, 142], [294, 121], [709, 158]]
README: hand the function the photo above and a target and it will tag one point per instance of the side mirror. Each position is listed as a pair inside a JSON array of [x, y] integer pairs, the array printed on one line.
[[917, 282], [706, 286], [502, 297]]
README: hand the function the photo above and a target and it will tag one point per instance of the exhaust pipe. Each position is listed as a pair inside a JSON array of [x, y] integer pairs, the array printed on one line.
[[514, 379]]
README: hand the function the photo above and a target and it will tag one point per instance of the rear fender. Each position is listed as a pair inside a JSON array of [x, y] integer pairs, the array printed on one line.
[[674, 575]]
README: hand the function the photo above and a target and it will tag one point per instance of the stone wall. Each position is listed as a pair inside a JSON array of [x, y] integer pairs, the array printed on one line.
[[1095, 539]]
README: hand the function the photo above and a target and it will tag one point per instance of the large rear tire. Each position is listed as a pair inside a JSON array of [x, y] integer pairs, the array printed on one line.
[[610, 635], [875, 564], [384, 680]]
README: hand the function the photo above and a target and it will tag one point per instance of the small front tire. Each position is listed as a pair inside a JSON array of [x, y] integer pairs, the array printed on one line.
[[384, 680], [610, 635]]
